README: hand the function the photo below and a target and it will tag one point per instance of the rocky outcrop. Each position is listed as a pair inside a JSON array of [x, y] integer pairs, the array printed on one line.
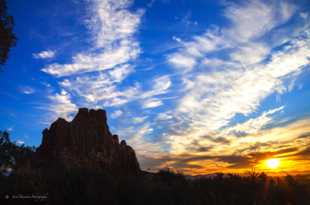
[[87, 141]]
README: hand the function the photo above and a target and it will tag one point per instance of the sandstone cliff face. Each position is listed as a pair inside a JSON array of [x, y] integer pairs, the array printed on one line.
[[87, 141]]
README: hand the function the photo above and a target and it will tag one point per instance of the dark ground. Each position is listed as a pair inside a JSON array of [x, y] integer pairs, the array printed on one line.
[[54, 183]]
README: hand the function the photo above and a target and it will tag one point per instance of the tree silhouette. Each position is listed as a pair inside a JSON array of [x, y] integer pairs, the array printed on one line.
[[7, 37]]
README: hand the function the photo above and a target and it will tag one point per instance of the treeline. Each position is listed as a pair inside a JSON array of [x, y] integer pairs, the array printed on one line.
[[30, 183]]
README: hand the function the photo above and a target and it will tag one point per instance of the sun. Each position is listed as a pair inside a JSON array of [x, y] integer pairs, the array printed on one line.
[[273, 163]]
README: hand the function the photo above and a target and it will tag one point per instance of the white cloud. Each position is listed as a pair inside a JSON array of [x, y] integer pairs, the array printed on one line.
[[44, 54], [244, 69], [113, 28], [152, 103], [61, 105], [201, 45], [242, 89], [120, 73], [191, 52], [164, 116], [250, 54], [177, 39], [253, 19], [90, 62], [20, 142], [182, 61], [244, 28], [138, 120], [253, 125], [179, 143], [303, 15], [113, 21], [27, 90], [116, 114], [101, 88], [219, 63], [160, 86], [94, 77]]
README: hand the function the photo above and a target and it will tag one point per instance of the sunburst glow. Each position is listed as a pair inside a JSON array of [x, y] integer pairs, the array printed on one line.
[[273, 163]]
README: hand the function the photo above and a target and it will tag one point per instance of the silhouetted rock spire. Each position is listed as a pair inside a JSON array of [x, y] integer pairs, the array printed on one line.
[[87, 141]]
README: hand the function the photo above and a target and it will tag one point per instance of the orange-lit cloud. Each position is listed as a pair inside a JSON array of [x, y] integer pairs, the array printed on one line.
[[289, 142]]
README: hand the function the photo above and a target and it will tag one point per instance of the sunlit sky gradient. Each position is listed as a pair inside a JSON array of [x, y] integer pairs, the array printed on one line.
[[199, 86]]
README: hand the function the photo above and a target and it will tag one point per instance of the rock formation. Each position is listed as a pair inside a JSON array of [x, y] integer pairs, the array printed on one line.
[[87, 141]]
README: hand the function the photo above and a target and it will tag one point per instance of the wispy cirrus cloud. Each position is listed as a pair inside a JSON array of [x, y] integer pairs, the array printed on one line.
[[93, 76], [44, 54], [116, 114], [20, 142], [27, 90], [138, 120], [61, 105], [113, 22], [243, 89], [192, 52], [89, 62], [235, 68], [113, 28], [101, 87], [160, 85], [253, 125], [151, 103], [244, 18]]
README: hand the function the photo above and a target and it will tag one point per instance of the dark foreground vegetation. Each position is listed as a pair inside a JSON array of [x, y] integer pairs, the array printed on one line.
[[24, 182]]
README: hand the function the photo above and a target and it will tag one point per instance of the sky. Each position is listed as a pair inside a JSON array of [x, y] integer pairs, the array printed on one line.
[[197, 86]]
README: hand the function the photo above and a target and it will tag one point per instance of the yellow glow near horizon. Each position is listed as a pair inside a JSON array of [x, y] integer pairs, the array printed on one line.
[[273, 163]]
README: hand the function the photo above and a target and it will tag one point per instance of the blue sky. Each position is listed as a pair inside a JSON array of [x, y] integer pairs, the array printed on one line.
[[179, 79]]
